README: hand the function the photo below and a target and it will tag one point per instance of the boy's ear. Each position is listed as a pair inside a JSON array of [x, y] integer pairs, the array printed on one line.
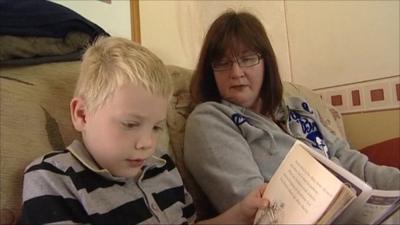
[[78, 111]]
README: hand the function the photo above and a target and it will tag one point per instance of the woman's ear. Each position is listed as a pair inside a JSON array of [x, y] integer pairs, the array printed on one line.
[[78, 111]]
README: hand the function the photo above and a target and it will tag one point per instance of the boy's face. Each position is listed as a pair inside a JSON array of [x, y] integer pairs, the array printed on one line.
[[123, 133]]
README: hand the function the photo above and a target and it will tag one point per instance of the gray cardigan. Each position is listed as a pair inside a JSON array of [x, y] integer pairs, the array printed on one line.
[[231, 150]]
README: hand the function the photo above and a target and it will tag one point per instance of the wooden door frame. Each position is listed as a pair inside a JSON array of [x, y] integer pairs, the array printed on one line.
[[135, 21]]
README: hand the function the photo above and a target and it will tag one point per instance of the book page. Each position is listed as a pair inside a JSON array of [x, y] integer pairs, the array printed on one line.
[[300, 190], [352, 181], [377, 208], [361, 189], [370, 206]]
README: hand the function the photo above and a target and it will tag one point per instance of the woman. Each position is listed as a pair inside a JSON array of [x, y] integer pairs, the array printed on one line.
[[241, 129]]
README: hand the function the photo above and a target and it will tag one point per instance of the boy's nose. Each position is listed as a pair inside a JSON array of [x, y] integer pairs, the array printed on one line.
[[145, 142]]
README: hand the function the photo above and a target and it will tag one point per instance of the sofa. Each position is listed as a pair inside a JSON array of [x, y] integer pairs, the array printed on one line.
[[35, 119]]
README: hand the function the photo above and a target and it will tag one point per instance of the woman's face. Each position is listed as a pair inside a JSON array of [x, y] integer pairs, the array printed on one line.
[[240, 84]]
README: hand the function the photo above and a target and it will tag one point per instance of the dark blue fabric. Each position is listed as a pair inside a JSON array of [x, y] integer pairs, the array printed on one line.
[[43, 18]]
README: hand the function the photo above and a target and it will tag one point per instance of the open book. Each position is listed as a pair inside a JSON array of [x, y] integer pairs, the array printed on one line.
[[308, 188]]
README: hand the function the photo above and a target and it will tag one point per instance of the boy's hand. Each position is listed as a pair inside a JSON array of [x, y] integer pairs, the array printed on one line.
[[244, 211], [252, 202]]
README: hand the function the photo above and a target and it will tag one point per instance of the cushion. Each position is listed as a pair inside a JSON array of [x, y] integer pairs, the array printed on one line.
[[43, 31], [34, 119], [179, 109], [35, 50]]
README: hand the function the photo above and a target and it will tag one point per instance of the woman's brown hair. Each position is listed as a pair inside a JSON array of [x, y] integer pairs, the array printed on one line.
[[224, 33]]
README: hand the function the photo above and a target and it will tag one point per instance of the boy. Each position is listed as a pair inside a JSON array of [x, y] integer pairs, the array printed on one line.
[[114, 175]]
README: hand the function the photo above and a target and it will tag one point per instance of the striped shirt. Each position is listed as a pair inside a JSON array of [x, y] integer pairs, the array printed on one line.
[[67, 187]]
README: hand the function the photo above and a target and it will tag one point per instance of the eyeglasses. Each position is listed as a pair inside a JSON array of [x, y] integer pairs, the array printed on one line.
[[244, 62]]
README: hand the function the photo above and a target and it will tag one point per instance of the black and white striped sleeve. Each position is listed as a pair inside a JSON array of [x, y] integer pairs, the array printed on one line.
[[48, 196]]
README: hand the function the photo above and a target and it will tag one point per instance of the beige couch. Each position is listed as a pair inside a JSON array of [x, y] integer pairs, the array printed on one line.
[[35, 119]]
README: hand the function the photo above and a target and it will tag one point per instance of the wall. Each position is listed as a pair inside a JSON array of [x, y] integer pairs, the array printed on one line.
[[338, 48], [113, 18], [174, 30], [318, 43], [343, 41]]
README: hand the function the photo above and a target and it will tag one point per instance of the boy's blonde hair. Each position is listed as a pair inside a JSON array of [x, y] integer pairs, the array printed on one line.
[[112, 62]]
